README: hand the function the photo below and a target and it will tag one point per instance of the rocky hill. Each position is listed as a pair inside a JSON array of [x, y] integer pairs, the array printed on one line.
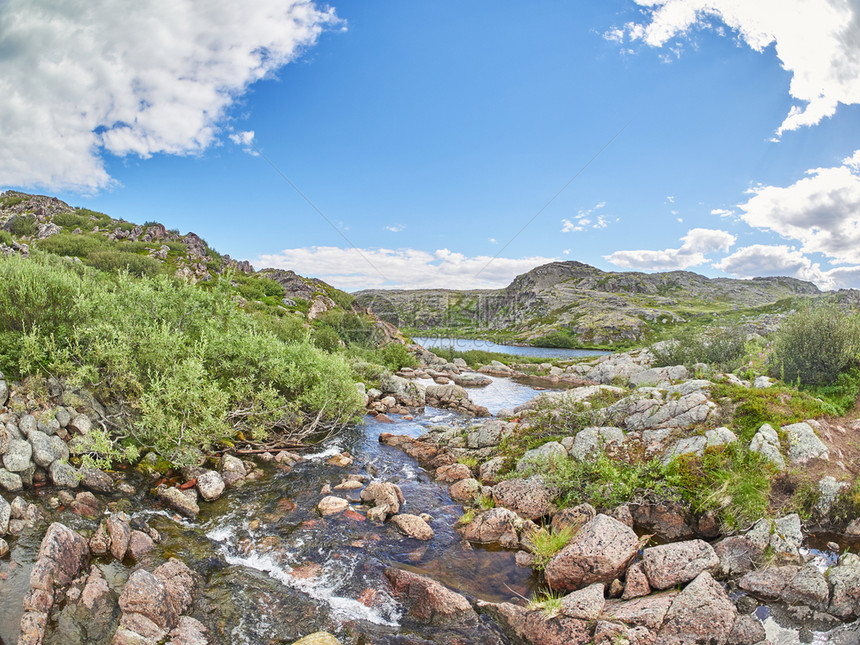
[[571, 303], [39, 223]]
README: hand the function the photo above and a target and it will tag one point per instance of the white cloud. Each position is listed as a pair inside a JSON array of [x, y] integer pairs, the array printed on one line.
[[400, 268], [722, 212], [696, 244], [821, 211], [80, 79], [584, 219], [815, 40], [492, 240], [245, 139], [761, 260], [395, 228], [670, 199], [566, 252]]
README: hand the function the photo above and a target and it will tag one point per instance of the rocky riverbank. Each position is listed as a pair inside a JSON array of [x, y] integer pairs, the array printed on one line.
[[356, 540]]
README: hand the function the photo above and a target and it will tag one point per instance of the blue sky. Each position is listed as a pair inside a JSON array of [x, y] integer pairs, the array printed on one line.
[[428, 134]]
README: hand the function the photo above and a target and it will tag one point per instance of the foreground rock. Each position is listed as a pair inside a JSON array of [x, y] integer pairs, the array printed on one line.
[[530, 498], [525, 627], [670, 564], [62, 555], [429, 602], [600, 552], [412, 526], [701, 614]]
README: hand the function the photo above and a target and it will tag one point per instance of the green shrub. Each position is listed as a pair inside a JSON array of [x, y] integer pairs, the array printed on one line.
[[79, 246], [23, 225], [396, 356], [139, 265], [6, 238], [723, 349], [326, 339], [184, 367], [814, 345], [348, 326], [72, 221], [547, 542]]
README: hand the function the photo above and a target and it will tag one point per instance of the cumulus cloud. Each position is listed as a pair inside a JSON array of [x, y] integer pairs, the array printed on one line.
[[815, 40], [696, 244], [821, 211], [353, 268], [761, 260], [80, 79]]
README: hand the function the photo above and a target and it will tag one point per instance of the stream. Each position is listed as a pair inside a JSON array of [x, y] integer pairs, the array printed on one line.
[[275, 570]]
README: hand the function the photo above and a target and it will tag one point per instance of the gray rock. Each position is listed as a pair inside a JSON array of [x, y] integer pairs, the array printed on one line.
[[547, 452], [80, 423], [489, 471], [658, 375], [747, 630], [829, 489], [808, 587], [766, 443], [591, 439], [497, 525], [763, 382], [4, 391], [10, 481], [845, 598], [803, 443], [62, 416], [5, 515], [783, 536], [175, 499], [721, 436], [232, 470], [667, 565], [64, 475], [96, 480], [384, 494], [686, 446], [4, 439], [210, 485], [599, 552], [471, 379], [17, 457], [47, 449], [681, 406], [27, 424], [737, 555], [701, 614], [488, 434], [768, 584]]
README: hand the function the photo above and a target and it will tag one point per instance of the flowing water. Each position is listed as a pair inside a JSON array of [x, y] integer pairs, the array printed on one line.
[[275, 570]]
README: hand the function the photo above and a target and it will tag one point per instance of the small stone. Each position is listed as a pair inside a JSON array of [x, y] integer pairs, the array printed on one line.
[[17, 457], [584, 604], [80, 423], [412, 526], [10, 481], [4, 548], [331, 505], [232, 470], [139, 545], [178, 501], [635, 583], [465, 490]]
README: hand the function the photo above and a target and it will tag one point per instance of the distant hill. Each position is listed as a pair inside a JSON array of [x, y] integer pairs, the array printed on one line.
[[574, 304]]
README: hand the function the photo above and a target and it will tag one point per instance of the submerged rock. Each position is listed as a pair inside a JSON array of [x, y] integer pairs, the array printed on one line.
[[413, 526], [428, 601]]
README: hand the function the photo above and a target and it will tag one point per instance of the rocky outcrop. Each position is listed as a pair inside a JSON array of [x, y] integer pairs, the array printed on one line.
[[530, 498], [453, 397], [526, 627]]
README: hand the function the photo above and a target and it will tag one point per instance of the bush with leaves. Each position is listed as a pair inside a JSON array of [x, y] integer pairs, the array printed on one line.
[[722, 349], [186, 367], [814, 345]]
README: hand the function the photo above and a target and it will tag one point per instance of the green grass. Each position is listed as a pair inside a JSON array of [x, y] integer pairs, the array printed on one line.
[[547, 542], [547, 601]]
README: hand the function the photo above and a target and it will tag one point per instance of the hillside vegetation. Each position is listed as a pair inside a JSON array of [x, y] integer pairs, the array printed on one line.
[[183, 349]]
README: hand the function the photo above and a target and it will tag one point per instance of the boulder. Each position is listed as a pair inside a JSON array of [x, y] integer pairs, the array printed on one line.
[[318, 638], [525, 627], [592, 439], [489, 471], [117, 527], [536, 456], [531, 498], [10, 481], [210, 485], [465, 490], [189, 631], [489, 434], [599, 552], [667, 565], [682, 406], [584, 604], [701, 614], [768, 584], [412, 526], [384, 494], [64, 475], [178, 500], [497, 525], [668, 520], [784, 537], [18, 456], [232, 470], [747, 630], [766, 443], [47, 449], [331, 505], [635, 583], [803, 444], [139, 544], [62, 554], [429, 602], [452, 473], [737, 555], [845, 598], [573, 518], [809, 587], [471, 379], [647, 611], [96, 480], [145, 594], [80, 423]]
